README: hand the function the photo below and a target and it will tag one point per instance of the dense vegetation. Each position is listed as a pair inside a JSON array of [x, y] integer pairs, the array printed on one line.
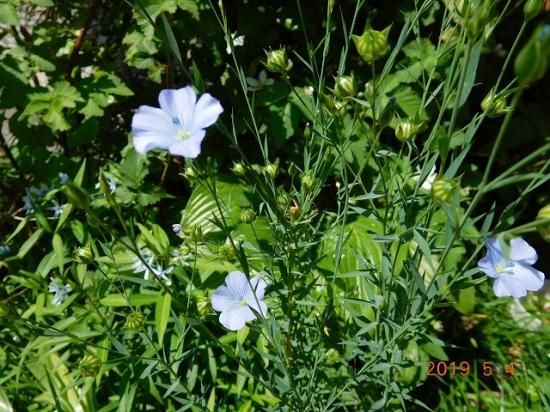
[[340, 208]]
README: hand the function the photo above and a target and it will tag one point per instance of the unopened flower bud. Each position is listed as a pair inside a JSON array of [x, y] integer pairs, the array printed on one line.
[[369, 90], [226, 252], [443, 189], [405, 129], [307, 131], [239, 169], [271, 170], [532, 8], [332, 356], [307, 180], [248, 215], [195, 234], [494, 105], [135, 320], [203, 306], [544, 228], [479, 18], [345, 86], [278, 61], [84, 255], [532, 61], [282, 202], [89, 365], [372, 44]]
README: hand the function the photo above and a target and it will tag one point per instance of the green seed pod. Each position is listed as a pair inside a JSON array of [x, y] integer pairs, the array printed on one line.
[[135, 320], [532, 8], [226, 252], [271, 170], [308, 180], [84, 255], [278, 61], [443, 190], [332, 105], [533, 60], [494, 105], [239, 169], [248, 215], [345, 86], [372, 44], [544, 229], [89, 365], [332, 356], [405, 129]]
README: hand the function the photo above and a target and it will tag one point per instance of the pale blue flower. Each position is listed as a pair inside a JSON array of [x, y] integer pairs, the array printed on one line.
[[239, 300], [179, 125], [261, 82], [150, 267], [63, 178], [237, 41], [513, 273], [59, 291], [57, 208]]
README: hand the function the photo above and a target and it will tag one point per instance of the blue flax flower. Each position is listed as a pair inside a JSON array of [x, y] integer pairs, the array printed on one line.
[[512, 271], [237, 299], [179, 125]]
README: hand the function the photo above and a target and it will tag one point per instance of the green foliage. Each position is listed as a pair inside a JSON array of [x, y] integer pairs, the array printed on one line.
[[368, 240]]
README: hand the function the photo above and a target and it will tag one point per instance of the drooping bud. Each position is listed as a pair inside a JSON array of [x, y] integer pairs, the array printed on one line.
[[443, 189], [345, 86], [479, 18], [544, 228], [239, 169], [532, 8], [405, 129], [372, 44], [84, 255], [494, 105], [278, 61], [135, 320], [89, 365], [248, 215]]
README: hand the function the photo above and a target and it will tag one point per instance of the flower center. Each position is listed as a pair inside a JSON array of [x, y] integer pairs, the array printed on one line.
[[504, 267], [243, 302], [183, 135]]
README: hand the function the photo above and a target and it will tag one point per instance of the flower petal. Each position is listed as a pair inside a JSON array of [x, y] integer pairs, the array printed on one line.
[[528, 277], [179, 104], [189, 148], [207, 111], [236, 318], [238, 284], [149, 119], [487, 266], [223, 299], [508, 285], [148, 141], [521, 251], [259, 307]]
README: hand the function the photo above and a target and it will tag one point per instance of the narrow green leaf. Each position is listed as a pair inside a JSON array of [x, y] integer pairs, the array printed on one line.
[[30, 242], [162, 314], [59, 250]]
